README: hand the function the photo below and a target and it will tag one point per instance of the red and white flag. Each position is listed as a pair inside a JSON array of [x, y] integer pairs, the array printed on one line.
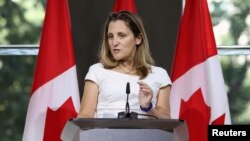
[[124, 5], [55, 93], [198, 93]]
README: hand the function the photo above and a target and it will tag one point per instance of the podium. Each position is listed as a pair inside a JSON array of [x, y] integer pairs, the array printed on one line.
[[110, 129]]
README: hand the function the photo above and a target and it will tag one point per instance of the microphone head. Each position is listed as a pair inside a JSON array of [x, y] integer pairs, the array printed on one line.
[[128, 88]]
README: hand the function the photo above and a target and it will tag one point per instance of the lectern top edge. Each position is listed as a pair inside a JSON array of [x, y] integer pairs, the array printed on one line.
[[162, 124]]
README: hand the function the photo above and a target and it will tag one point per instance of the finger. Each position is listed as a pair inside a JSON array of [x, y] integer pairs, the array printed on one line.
[[141, 83], [145, 89]]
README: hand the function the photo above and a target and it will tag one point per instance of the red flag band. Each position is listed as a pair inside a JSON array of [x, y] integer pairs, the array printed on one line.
[[198, 93], [126, 5], [55, 93]]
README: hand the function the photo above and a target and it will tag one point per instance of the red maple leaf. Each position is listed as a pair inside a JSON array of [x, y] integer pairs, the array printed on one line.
[[196, 114], [220, 120], [56, 120]]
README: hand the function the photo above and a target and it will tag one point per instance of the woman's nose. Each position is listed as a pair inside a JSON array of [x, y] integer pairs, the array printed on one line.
[[115, 41]]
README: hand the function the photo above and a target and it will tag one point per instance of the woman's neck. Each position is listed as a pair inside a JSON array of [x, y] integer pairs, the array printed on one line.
[[127, 67]]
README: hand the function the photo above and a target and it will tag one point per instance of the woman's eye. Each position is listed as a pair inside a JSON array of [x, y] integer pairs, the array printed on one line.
[[110, 36], [122, 35]]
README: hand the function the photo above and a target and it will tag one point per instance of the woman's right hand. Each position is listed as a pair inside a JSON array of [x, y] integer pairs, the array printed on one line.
[[145, 94]]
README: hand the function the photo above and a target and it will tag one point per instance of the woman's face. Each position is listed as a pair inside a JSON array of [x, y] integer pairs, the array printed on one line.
[[121, 40]]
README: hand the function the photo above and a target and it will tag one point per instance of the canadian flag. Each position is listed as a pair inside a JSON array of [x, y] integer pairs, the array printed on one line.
[[55, 93], [126, 5], [198, 93]]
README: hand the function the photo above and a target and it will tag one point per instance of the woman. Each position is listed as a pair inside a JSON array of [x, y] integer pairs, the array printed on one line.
[[125, 58]]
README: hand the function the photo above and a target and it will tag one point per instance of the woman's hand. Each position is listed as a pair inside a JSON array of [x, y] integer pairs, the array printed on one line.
[[145, 94]]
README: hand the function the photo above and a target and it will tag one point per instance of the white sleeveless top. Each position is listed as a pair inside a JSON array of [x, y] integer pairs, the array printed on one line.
[[112, 89]]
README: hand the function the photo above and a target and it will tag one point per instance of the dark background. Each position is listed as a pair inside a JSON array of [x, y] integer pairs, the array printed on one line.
[[161, 19]]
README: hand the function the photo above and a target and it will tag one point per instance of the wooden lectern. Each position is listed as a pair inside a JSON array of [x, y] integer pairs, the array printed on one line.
[[110, 129]]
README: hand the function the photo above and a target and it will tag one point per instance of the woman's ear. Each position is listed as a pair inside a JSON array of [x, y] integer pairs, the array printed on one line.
[[138, 40]]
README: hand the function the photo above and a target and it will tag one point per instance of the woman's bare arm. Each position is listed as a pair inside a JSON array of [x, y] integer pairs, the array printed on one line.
[[89, 100]]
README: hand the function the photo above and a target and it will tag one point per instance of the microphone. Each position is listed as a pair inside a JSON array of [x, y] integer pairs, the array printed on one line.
[[127, 104], [127, 113]]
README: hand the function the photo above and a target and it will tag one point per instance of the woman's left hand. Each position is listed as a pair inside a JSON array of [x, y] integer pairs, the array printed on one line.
[[145, 94]]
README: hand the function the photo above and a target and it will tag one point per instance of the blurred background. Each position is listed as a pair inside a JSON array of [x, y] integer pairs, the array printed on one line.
[[20, 29]]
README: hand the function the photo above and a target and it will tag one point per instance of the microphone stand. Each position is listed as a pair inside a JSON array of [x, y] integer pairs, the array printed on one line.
[[127, 113]]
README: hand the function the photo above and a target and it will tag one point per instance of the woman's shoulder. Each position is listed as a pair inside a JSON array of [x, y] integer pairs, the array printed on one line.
[[161, 75], [158, 69], [96, 66]]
